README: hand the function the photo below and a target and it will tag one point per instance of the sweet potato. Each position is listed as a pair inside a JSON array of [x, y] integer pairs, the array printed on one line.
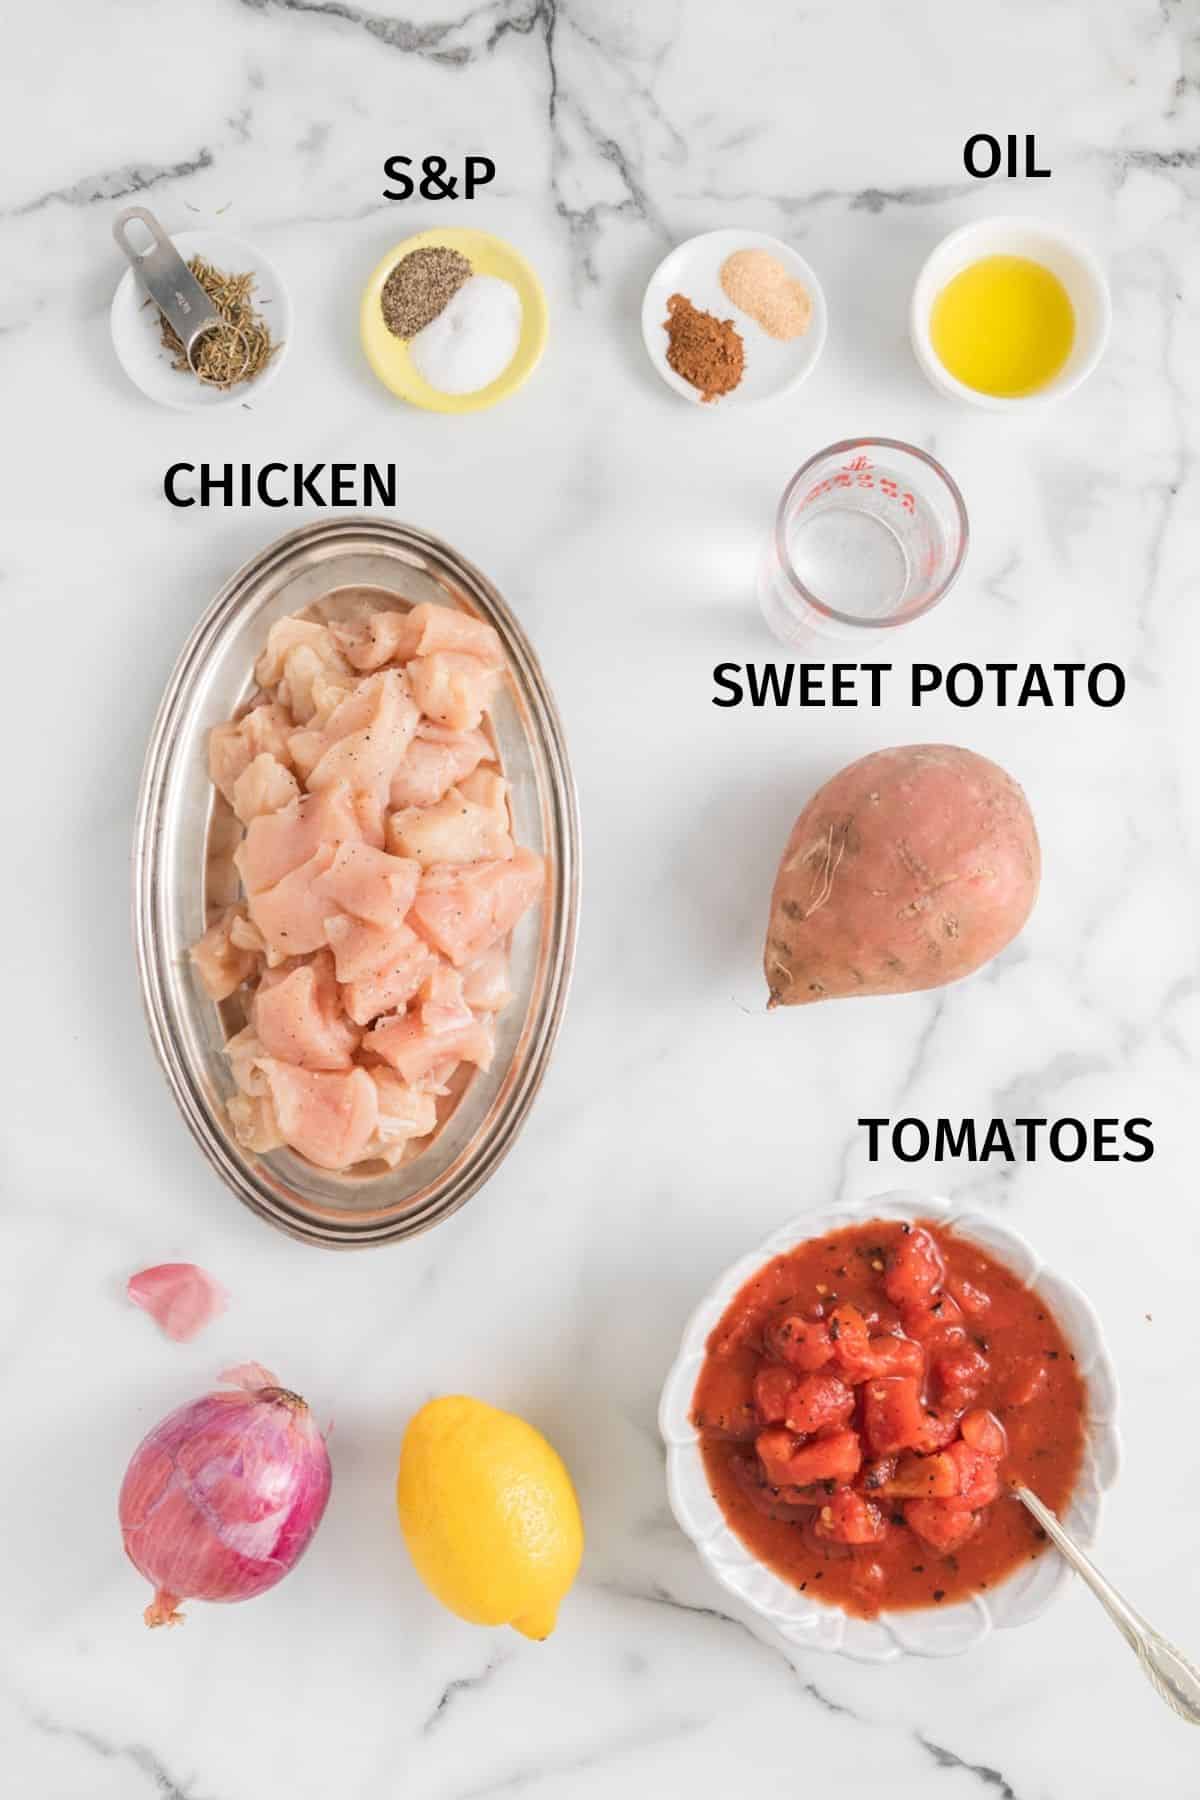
[[910, 869]]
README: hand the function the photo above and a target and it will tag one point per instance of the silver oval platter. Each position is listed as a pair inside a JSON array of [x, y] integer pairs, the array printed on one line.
[[183, 874]]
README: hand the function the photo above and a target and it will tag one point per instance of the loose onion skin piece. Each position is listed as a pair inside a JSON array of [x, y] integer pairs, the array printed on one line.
[[181, 1298], [222, 1498]]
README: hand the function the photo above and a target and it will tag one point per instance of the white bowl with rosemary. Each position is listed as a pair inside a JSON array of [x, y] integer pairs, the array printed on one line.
[[248, 293]]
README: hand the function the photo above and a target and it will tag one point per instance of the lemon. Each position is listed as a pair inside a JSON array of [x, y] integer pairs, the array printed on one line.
[[489, 1514]]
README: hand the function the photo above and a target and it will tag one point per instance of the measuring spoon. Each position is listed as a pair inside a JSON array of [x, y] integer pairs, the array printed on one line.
[[171, 285]]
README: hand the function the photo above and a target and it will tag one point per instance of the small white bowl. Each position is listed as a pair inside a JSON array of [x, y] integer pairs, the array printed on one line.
[[773, 367], [1070, 260], [796, 1617], [135, 322]]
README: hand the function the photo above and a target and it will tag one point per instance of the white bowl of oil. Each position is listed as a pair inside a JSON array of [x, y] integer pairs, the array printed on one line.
[[1008, 313]]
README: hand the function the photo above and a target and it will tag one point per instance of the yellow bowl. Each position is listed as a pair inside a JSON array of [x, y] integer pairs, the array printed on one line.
[[488, 255]]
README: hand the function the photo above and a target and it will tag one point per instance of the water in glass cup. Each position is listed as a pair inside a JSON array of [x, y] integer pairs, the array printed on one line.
[[869, 535]]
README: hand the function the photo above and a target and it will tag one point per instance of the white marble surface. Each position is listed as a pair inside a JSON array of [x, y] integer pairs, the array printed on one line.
[[679, 1123]]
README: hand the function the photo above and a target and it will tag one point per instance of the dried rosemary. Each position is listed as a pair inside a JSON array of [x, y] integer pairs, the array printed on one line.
[[237, 350]]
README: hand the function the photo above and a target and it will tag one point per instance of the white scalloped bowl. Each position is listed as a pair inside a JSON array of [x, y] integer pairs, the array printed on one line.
[[806, 1623]]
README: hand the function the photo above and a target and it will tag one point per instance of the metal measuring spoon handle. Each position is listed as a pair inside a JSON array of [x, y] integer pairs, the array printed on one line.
[[1168, 1670], [171, 285]]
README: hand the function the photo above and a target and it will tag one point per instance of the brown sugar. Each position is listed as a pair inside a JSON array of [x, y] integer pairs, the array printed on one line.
[[703, 349]]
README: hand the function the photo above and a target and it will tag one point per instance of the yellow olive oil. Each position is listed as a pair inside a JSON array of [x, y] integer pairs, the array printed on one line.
[[1003, 325]]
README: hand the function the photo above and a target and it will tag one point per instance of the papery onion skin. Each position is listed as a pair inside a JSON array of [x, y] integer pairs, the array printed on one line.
[[221, 1499]]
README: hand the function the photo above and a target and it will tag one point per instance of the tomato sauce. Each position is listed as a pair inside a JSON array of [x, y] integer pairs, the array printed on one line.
[[865, 1402]]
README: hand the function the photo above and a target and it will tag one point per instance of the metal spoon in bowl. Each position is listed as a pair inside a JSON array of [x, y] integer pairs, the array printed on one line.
[[173, 288], [1171, 1675]]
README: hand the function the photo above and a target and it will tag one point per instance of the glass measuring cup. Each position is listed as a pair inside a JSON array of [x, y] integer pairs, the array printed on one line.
[[870, 533]]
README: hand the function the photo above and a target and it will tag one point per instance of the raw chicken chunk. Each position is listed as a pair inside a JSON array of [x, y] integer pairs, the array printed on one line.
[[221, 963], [463, 909], [456, 830], [442, 1007], [487, 788], [298, 1016], [486, 986], [329, 689], [441, 628], [404, 1113], [361, 949], [369, 884], [397, 636], [299, 653], [292, 915], [328, 1117], [255, 1124], [246, 935], [263, 786], [436, 759], [246, 1056], [451, 688], [385, 989], [252, 1110], [287, 635], [263, 731], [416, 1052], [382, 637], [365, 740], [276, 843]]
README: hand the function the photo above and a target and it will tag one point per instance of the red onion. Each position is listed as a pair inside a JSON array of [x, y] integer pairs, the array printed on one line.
[[222, 1497]]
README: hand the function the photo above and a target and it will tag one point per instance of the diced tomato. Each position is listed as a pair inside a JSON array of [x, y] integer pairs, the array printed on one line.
[[959, 1374], [936, 1326], [983, 1431], [924, 1478], [893, 1416], [818, 1401], [946, 1525], [776, 1446], [941, 1428], [915, 1270], [793, 1505], [827, 1548], [837, 1457], [1024, 1382], [978, 1475], [973, 1301], [772, 1390], [849, 1519], [877, 1473], [728, 1410], [885, 1356], [849, 1335], [801, 1343]]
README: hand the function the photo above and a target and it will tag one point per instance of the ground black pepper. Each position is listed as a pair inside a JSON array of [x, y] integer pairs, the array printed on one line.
[[419, 286]]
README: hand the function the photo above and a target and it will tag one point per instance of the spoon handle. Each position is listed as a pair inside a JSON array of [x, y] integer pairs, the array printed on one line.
[[1169, 1672], [166, 277]]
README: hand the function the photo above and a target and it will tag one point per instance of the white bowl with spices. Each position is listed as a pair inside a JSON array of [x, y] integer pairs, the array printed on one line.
[[779, 313], [136, 326]]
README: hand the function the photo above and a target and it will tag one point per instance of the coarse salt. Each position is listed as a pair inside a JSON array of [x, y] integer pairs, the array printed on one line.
[[472, 340]]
